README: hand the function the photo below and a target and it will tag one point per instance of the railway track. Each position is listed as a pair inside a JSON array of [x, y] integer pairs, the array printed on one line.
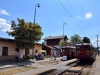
[[72, 70], [55, 71]]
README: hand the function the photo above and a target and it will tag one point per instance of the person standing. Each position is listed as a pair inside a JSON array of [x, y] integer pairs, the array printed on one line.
[[51, 55], [16, 56], [55, 55], [37, 56]]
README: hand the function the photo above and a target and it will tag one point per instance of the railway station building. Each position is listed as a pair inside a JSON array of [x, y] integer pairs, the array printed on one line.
[[8, 47]]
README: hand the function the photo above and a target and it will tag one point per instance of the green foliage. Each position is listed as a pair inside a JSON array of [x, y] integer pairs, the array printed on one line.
[[61, 44], [75, 39], [86, 40], [26, 34]]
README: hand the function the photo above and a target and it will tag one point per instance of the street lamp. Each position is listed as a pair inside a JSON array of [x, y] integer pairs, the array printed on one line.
[[37, 5], [63, 30]]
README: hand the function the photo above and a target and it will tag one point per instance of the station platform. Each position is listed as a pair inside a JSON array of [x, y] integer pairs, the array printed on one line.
[[95, 70], [46, 68]]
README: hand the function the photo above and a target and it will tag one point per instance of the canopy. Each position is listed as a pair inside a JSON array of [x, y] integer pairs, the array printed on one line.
[[42, 50]]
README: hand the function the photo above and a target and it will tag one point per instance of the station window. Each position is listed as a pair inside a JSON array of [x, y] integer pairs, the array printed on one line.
[[5, 51], [17, 49], [52, 42]]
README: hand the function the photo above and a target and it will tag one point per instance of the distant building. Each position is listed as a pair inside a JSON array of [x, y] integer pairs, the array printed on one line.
[[51, 43], [54, 40]]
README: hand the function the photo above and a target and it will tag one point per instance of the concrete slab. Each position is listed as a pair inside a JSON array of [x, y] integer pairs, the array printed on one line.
[[75, 69], [96, 66], [7, 66]]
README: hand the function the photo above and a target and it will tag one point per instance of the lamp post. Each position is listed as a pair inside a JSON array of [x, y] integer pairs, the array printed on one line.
[[37, 5], [63, 30]]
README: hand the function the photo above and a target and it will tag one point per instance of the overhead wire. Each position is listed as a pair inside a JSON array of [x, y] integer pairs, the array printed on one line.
[[70, 16], [79, 19]]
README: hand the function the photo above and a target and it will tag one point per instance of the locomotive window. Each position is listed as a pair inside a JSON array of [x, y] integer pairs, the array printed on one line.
[[67, 50], [78, 49], [86, 48], [73, 50]]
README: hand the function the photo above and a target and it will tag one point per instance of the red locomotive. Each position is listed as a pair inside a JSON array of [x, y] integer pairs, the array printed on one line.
[[85, 51], [68, 51]]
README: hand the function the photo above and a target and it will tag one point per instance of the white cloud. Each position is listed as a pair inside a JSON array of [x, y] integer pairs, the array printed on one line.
[[79, 17], [8, 21], [4, 12], [4, 26], [88, 15], [94, 42]]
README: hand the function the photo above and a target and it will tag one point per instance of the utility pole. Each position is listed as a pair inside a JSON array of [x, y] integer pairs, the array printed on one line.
[[97, 44], [63, 32]]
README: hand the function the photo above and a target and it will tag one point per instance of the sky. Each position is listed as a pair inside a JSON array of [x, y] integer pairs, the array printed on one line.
[[81, 17]]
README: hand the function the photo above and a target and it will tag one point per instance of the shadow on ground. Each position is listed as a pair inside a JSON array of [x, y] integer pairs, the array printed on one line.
[[19, 63]]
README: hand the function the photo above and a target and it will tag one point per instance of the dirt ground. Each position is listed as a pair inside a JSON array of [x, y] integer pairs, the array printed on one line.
[[47, 63], [35, 66]]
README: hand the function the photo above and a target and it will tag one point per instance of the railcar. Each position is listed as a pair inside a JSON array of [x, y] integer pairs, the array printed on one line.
[[68, 51], [85, 51]]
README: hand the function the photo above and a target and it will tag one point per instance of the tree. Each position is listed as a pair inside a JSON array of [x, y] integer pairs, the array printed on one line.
[[61, 44], [65, 43], [75, 39], [86, 40], [26, 34]]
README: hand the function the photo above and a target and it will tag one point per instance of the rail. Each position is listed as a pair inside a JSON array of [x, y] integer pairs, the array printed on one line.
[[81, 70], [60, 73], [63, 71]]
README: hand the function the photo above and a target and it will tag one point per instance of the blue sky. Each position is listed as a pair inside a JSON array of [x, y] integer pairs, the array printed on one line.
[[83, 20]]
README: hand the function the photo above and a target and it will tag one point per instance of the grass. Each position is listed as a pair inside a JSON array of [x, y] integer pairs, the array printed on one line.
[[85, 73], [16, 71]]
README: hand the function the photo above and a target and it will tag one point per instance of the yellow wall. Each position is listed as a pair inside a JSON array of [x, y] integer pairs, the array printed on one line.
[[38, 47], [11, 47], [22, 52]]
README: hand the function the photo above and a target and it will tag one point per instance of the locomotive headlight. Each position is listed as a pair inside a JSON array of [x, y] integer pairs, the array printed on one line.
[[87, 53]]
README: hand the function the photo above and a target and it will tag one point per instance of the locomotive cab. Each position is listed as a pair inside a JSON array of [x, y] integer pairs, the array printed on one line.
[[84, 51], [68, 51]]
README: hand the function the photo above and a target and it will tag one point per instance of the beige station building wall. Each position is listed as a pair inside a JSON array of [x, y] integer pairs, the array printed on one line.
[[11, 49]]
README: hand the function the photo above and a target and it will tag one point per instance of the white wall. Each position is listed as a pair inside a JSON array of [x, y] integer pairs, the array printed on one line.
[[45, 42], [61, 40]]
